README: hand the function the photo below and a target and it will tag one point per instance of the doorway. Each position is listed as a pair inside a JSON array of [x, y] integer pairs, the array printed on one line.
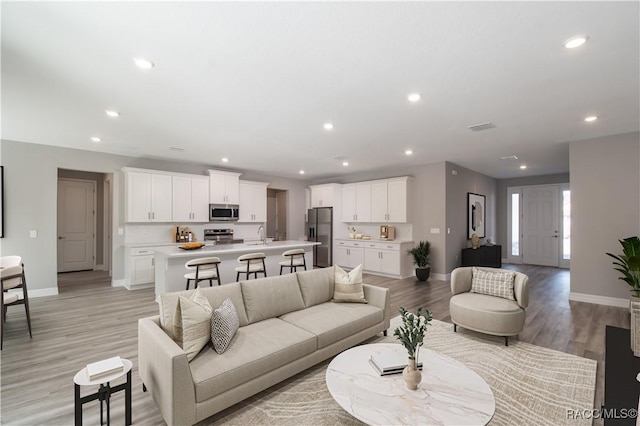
[[83, 216], [277, 214], [539, 221]]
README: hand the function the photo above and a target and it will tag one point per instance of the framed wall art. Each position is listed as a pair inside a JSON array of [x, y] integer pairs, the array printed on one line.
[[476, 215]]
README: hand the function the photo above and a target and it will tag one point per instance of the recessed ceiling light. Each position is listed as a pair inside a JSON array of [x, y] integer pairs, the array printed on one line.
[[523, 166], [328, 126], [591, 118], [345, 163], [95, 139], [408, 152], [112, 114], [143, 63], [301, 172], [225, 160], [576, 41], [414, 97]]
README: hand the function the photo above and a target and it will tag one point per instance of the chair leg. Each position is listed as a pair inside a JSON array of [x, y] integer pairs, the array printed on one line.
[[210, 282], [26, 303], [238, 276], [264, 269], [455, 328], [506, 340], [384, 333], [304, 263], [218, 275], [281, 269], [187, 284], [2, 321]]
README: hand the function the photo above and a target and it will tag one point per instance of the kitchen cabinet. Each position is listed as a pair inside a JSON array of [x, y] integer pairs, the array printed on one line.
[[149, 196], [389, 200], [307, 203], [253, 201], [356, 202], [139, 266], [224, 187], [324, 195], [190, 199], [348, 254], [384, 258]]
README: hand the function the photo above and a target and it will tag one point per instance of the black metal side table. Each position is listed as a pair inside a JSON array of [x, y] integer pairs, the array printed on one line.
[[104, 393]]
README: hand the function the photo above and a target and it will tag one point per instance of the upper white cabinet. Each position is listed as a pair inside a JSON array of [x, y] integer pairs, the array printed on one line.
[[224, 187], [307, 203], [389, 200], [323, 195], [190, 199], [149, 196], [253, 201], [356, 202]]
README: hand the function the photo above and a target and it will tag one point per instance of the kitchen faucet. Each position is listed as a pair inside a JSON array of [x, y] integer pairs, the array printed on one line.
[[261, 233]]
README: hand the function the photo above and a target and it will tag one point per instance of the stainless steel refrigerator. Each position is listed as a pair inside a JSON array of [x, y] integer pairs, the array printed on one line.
[[320, 229]]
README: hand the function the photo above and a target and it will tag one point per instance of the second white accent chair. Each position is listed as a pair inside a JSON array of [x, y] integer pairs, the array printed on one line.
[[206, 269], [295, 259], [254, 264], [12, 277]]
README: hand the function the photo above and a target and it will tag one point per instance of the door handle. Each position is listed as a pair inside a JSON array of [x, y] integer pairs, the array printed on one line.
[[61, 238]]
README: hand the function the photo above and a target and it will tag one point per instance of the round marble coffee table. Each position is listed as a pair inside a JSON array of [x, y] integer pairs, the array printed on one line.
[[449, 394]]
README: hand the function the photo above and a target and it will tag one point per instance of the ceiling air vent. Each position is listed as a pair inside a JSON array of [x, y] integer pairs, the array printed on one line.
[[176, 149], [483, 126], [509, 157]]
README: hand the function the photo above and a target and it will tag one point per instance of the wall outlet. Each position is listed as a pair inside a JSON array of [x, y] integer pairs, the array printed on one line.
[[448, 230], [120, 231], [33, 233], [435, 230]]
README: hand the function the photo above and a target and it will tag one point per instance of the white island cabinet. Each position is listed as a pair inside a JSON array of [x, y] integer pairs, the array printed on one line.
[[170, 270]]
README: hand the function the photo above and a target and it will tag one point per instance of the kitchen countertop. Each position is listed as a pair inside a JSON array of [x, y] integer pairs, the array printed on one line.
[[375, 240], [212, 250], [156, 244]]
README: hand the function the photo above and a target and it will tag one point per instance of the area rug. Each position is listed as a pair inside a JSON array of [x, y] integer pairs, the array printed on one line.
[[532, 385]]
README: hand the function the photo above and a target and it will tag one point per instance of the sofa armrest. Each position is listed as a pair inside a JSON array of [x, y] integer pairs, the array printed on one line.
[[461, 280], [380, 297], [165, 371], [521, 289]]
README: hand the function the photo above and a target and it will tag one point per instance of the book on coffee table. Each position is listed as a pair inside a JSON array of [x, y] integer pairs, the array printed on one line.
[[105, 367], [390, 363]]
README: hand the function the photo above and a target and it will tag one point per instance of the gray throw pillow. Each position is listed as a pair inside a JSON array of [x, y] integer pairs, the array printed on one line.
[[493, 283], [224, 325]]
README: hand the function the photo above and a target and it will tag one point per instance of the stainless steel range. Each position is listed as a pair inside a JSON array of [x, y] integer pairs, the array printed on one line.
[[221, 236]]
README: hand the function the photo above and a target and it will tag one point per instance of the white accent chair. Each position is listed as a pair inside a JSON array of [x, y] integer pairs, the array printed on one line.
[[254, 265], [206, 269], [295, 259], [12, 277], [484, 313]]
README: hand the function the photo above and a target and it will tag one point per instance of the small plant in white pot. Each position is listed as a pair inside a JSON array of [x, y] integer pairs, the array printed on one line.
[[420, 254], [411, 335]]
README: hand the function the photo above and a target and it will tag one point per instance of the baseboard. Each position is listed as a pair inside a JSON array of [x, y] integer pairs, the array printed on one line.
[[441, 277], [141, 286], [119, 283], [38, 292], [599, 300], [99, 268], [505, 260]]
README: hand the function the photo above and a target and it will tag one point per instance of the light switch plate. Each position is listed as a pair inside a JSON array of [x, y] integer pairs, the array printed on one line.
[[435, 230], [120, 231], [33, 233]]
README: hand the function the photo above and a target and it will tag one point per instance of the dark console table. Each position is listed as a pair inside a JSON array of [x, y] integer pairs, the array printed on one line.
[[483, 256]]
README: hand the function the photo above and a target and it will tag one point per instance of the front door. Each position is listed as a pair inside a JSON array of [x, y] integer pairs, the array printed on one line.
[[76, 224], [540, 225]]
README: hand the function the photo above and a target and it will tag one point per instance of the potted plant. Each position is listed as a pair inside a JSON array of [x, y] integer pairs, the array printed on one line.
[[420, 255], [628, 264], [411, 335]]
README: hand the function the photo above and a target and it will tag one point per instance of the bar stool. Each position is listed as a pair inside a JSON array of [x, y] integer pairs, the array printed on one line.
[[206, 270], [295, 259], [12, 276], [255, 264]]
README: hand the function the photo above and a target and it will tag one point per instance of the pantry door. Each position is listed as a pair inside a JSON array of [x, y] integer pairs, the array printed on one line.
[[76, 225]]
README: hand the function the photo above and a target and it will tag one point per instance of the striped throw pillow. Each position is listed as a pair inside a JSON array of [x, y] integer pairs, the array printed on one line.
[[493, 283], [192, 323], [348, 287]]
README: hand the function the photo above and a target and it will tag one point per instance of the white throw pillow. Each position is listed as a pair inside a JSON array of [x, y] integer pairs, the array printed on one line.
[[192, 323], [224, 325], [348, 286], [493, 283]]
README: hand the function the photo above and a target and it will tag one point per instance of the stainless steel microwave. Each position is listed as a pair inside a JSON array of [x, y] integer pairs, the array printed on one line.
[[223, 212]]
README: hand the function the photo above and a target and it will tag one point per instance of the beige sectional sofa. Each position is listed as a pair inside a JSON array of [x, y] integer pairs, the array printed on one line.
[[287, 324]]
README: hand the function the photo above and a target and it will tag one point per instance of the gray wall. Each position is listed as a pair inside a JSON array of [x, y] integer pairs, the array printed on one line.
[[501, 205], [457, 187], [605, 207], [31, 173], [98, 178]]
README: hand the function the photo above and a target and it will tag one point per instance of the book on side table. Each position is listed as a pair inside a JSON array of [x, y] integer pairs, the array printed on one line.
[[105, 367], [390, 363]]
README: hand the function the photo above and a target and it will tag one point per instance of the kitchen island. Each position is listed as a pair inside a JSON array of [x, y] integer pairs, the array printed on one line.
[[170, 270]]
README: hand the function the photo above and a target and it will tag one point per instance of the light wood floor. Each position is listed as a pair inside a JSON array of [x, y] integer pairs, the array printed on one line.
[[89, 320]]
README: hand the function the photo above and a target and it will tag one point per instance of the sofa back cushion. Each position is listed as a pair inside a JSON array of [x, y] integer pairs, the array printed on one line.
[[271, 297], [215, 296], [316, 286]]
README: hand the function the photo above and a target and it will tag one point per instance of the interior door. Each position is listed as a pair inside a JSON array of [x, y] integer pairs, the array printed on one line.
[[76, 224], [540, 225]]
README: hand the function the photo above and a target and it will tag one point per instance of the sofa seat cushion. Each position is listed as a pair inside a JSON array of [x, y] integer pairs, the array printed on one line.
[[488, 314], [255, 350], [332, 322]]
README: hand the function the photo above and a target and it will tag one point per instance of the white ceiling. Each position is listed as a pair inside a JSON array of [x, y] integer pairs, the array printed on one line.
[[256, 81]]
